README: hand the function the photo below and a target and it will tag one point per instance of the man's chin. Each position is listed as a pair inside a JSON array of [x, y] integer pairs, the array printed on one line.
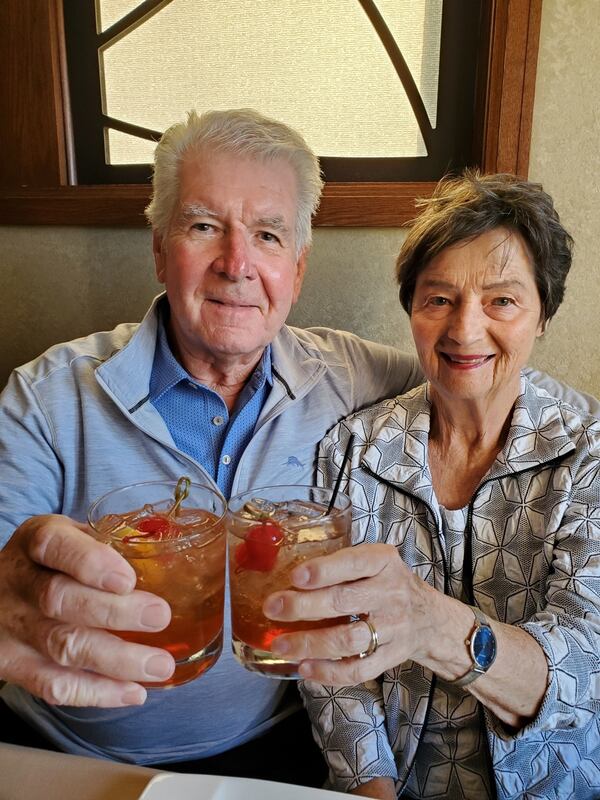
[[235, 344]]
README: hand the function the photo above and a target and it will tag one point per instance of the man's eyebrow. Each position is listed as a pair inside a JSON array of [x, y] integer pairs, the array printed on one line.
[[276, 223], [192, 210]]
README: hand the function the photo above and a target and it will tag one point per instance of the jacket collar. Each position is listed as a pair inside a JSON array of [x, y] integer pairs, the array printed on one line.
[[541, 430], [126, 373], [296, 366]]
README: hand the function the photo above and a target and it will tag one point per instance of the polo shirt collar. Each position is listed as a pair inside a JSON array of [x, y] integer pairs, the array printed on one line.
[[168, 372]]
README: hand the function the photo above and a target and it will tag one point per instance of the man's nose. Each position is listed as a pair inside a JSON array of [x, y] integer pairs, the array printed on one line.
[[234, 259], [467, 323]]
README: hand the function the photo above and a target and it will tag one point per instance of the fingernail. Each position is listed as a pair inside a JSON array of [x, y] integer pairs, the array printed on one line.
[[273, 606], [118, 583], [280, 647], [155, 616], [134, 697], [305, 670], [160, 667], [301, 576]]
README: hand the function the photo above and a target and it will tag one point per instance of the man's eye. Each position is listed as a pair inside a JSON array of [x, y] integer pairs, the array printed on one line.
[[267, 236], [203, 227], [438, 301], [502, 301]]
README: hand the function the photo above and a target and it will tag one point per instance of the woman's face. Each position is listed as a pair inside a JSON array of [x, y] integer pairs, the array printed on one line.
[[475, 316]]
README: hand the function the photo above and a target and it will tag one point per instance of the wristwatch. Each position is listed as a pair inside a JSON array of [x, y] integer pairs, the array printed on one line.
[[482, 647]]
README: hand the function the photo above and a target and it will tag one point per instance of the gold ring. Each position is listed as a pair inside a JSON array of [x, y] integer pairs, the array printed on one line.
[[374, 643]]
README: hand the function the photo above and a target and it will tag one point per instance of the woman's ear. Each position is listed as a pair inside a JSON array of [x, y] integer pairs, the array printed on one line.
[[542, 327]]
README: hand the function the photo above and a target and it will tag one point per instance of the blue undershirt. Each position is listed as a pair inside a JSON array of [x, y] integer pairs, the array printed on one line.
[[197, 417], [203, 428]]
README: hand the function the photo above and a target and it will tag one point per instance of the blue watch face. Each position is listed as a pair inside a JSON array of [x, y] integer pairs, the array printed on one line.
[[484, 647]]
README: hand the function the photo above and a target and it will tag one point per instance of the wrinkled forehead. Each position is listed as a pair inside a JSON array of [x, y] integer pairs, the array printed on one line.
[[499, 252], [210, 160], [497, 256], [222, 178]]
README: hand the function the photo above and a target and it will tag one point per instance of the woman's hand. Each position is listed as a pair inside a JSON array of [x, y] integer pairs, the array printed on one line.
[[412, 620], [381, 788], [369, 579]]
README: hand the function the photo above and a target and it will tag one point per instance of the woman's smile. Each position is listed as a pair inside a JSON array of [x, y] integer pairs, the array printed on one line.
[[459, 361]]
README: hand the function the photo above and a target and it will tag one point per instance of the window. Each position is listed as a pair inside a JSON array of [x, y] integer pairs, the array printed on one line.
[[458, 87]]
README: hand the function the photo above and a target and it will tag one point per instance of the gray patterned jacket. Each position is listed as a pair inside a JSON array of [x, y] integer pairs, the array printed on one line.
[[533, 535]]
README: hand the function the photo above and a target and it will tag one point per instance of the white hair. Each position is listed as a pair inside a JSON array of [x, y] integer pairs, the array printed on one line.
[[243, 132]]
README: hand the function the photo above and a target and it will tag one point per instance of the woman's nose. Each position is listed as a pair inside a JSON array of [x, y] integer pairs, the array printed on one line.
[[467, 323]]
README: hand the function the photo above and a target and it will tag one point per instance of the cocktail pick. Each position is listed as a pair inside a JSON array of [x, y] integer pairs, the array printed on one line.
[[181, 492], [338, 481]]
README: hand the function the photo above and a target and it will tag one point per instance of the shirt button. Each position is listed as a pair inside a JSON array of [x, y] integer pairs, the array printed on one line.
[[226, 460], [218, 420]]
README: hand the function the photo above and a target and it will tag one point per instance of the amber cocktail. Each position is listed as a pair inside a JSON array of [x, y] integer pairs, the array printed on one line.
[[176, 546], [271, 531]]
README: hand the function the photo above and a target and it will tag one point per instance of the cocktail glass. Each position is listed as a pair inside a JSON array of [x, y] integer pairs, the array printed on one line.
[[270, 531], [173, 536]]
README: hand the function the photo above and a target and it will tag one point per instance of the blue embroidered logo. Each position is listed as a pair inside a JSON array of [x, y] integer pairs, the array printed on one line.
[[293, 462]]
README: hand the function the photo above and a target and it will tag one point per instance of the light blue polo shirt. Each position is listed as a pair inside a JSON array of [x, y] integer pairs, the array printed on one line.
[[197, 417]]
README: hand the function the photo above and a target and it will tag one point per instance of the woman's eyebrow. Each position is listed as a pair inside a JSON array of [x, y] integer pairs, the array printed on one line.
[[440, 283], [437, 283], [511, 283]]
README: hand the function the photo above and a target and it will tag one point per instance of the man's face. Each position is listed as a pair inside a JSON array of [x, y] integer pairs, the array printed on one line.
[[229, 260]]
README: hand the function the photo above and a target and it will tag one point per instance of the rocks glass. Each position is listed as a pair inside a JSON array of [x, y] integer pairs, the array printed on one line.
[[173, 536], [270, 531]]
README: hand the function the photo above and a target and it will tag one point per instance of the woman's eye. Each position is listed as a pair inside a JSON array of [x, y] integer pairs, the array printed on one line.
[[438, 301], [502, 301]]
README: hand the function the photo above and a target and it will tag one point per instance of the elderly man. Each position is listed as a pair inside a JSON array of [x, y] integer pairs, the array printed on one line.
[[211, 384]]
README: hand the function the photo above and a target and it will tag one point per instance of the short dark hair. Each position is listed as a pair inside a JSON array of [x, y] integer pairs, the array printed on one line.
[[465, 207]]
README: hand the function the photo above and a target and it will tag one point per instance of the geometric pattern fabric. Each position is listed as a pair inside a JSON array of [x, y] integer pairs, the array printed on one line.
[[532, 552]]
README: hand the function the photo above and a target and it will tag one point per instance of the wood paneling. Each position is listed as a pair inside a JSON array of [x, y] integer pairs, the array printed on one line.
[[31, 109], [34, 127], [511, 85], [343, 204]]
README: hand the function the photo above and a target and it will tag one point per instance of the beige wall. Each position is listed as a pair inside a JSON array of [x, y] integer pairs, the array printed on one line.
[[565, 158], [63, 282]]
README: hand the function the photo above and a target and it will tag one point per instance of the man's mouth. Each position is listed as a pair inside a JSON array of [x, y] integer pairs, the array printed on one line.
[[231, 303], [466, 362]]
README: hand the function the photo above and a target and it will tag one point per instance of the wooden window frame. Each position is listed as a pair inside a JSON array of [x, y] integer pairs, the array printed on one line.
[[36, 179]]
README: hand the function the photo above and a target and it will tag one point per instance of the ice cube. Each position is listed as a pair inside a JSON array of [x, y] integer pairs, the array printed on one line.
[[316, 534], [193, 517], [258, 508], [120, 525], [113, 523], [302, 510]]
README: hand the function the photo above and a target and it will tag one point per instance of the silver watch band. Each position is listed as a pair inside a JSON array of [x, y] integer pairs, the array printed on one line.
[[475, 671]]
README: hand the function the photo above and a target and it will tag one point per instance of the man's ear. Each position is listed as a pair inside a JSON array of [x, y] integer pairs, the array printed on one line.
[[300, 271], [158, 250]]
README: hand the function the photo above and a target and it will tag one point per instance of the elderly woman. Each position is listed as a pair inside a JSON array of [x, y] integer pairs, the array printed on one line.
[[477, 525]]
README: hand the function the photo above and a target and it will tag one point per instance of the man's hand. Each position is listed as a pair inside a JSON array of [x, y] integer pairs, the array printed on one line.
[[369, 579], [61, 593]]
